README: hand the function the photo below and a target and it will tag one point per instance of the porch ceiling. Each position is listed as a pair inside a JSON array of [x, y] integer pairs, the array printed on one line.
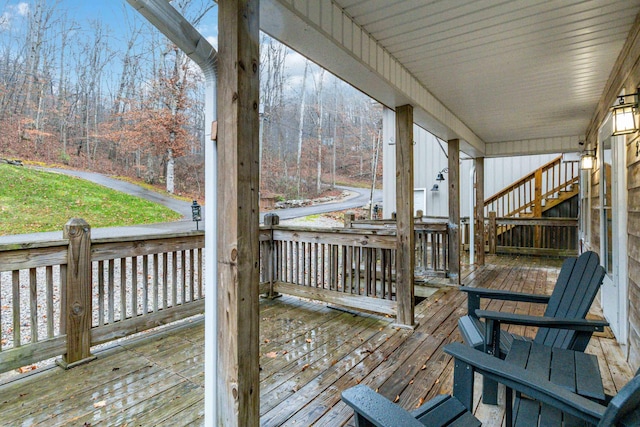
[[508, 71]]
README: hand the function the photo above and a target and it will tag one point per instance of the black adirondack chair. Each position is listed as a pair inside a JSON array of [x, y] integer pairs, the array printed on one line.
[[563, 324], [546, 398], [372, 409], [574, 292]]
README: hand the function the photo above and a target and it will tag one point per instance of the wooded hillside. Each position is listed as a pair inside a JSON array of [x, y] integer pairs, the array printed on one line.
[[125, 101]]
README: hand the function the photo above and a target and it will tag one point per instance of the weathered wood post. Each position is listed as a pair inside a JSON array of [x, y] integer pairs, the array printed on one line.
[[493, 233], [238, 381], [405, 254], [77, 303], [479, 211], [454, 210], [537, 208], [269, 221]]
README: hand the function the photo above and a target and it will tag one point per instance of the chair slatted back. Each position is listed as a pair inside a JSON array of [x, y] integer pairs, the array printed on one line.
[[576, 288]]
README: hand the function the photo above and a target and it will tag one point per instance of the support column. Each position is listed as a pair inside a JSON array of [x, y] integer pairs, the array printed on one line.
[[479, 211], [405, 257], [454, 210], [238, 394]]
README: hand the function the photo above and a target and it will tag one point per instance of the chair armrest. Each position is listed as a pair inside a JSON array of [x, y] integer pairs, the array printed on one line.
[[526, 382], [505, 295], [544, 322], [378, 410], [474, 295]]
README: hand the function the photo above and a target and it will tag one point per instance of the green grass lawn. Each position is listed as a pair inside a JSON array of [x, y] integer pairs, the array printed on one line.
[[32, 201]]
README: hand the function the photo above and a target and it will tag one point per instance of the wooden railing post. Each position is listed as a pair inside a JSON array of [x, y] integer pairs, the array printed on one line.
[[349, 217], [78, 294], [269, 221], [537, 207], [493, 233]]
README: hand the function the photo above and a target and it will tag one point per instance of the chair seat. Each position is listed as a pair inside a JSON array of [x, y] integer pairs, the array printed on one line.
[[528, 412]]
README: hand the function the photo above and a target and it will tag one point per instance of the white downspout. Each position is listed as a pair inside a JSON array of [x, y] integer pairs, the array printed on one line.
[[177, 29], [472, 219]]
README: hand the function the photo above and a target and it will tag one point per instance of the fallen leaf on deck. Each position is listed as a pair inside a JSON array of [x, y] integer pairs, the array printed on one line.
[[410, 382], [396, 399], [267, 341], [306, 365], [272, 354], [423, 367], [100, 404], [308, 340], [438, 381], [285, 352]]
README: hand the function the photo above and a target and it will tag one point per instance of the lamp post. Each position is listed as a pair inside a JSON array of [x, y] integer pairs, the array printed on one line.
[[196, 213]]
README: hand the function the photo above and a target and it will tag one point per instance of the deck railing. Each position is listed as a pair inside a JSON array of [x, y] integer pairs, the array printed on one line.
[[533, 236], [352, 268], [431, 241], [62, 297]]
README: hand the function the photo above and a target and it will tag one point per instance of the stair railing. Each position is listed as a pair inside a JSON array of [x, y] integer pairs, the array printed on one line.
[[525, 197]]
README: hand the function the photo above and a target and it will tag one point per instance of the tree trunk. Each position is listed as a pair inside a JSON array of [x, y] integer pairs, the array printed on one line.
[[301, 128], [319, 164], [170, 171]]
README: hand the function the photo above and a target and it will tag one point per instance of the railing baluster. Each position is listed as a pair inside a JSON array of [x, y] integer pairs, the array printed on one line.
[[16, 308], [134, 286], [100, 293], [145, 284], [174, 279], [191, 275], [50, 324], [33, 299], [156, 280], [123, 288], [111, 289], [165, 280], [183, 269]]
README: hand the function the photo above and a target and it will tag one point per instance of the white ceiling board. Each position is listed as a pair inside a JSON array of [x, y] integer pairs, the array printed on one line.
[[510, 70]]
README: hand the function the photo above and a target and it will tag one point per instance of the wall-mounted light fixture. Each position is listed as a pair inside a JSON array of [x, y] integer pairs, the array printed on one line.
[[435, 187], [588, 158], [624, 115]]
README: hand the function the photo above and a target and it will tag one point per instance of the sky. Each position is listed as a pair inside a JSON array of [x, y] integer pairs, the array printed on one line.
[[118, 16]]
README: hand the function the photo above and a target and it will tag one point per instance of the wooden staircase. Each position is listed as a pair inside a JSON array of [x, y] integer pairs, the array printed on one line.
[[532, 195]]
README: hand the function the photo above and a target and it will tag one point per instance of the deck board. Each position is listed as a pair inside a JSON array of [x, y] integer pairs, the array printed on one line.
[[309, 353]]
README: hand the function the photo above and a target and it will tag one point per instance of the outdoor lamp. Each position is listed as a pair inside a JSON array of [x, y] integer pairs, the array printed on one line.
[[435, 187], [196, 213], [624, 115], [586, 161]]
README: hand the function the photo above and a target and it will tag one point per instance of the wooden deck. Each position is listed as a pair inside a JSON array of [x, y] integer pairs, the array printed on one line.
[[309, 353]]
